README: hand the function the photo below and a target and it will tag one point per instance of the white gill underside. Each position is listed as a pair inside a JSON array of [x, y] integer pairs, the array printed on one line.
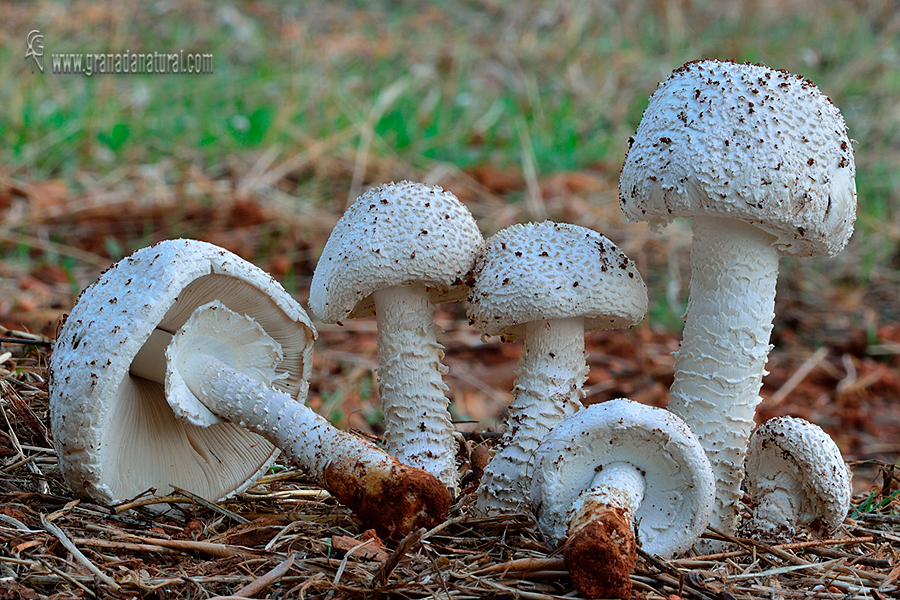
[[721, 362], [417, 426], [548, 388]]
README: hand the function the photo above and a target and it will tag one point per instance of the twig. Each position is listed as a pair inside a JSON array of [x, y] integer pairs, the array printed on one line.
[[797, 377], [263, 582], [384, 571], [26, 342], [65, 541], [212, 506]]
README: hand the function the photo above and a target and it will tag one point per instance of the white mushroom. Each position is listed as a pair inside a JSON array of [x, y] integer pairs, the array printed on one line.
[[549, 283], [397, 251], [232, 354], [762, 162], [611, 467], [114, 433], [795, 477]]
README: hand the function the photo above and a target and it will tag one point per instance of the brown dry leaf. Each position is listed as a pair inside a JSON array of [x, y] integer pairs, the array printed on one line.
[[496, 180], [374, 550]]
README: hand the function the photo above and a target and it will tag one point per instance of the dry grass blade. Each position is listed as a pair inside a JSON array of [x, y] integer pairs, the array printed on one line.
[[263, 582], [79, 556]]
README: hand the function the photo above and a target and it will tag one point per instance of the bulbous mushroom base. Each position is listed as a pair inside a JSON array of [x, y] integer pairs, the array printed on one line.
[[601, 555], [393, 501]]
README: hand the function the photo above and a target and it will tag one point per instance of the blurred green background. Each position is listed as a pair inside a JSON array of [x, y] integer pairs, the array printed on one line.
[[310, 102]]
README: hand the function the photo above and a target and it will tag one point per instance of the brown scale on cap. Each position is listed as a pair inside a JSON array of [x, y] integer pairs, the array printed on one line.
[[393, 502], [601, 555]]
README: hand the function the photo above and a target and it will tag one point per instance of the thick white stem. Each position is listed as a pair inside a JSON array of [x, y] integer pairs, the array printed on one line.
[[310, 440], [548, 388], [721, 362], [384, 493], [418, 429], [618, 485]]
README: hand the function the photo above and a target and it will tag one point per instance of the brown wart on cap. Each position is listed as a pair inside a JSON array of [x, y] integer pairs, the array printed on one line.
[[796, 477], [549, 283], [223, 375], [760, 159], [400, 249], [611, 468]]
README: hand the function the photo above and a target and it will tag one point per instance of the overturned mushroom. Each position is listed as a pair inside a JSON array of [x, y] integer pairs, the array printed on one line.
[[117, 436], [616, 466], [761, 161], [796, 477], [397, 251], [549, 283]]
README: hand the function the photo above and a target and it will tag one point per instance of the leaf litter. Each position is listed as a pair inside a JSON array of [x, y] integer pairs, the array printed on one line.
[[836, 363]]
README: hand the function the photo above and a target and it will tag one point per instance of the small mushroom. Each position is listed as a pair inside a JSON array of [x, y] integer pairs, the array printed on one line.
[[117, 437], [549, 283], [616, 466], [761, 161], [796, 477], [397, 251]]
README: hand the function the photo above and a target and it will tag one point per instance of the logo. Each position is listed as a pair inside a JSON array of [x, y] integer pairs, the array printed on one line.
[[35, 51]]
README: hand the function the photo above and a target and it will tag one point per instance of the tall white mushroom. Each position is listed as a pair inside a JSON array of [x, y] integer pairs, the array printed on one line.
[[796, 477], [549, 283], [397, 251], [760, 159], [190, 326], [610, 468]]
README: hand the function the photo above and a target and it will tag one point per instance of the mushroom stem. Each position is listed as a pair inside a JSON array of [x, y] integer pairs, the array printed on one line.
[[390, 496], [601, 551], [548, 388], [393, 497], [410, 383], [721, 362]]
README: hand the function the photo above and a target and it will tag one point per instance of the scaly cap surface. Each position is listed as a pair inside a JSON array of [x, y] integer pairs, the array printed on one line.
[[540, 271], [395, 234], [746, 142]]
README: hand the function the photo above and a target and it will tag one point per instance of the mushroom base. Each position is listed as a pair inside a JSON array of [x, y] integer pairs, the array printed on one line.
[[601, 556], [393, 501]]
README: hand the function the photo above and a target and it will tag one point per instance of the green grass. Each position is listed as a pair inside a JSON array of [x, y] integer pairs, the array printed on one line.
[[447, 84]]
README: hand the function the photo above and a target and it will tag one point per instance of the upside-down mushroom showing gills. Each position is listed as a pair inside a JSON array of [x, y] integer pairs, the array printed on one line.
[[133, 410]]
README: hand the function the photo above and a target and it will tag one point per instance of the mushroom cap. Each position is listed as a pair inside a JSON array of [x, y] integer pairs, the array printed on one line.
[[114, 432], [746, 142], [788, 447], [395, 234], [541, 271], [679, 486]]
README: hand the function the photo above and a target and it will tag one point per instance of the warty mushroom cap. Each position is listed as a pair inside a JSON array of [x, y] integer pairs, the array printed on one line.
[[679, 486], [745, 142], [114, 433], [542, 271], [801, 460], [395, 234]]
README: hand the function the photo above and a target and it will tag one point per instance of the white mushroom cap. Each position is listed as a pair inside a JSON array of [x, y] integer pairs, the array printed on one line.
[[115, 435], [679, 487], [543, 271], [395, 234], [796, 476], [749, 143]]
